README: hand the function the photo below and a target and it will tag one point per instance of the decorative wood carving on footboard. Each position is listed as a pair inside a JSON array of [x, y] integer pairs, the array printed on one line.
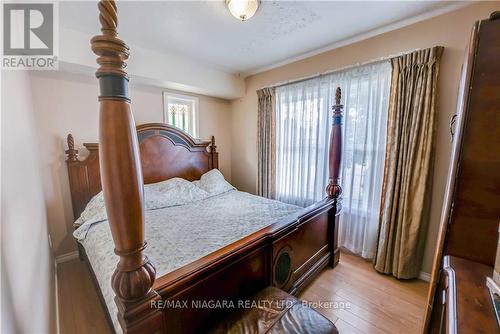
[[287, 254]]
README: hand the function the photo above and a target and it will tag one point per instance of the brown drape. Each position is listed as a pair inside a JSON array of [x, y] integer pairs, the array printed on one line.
[[406, 190], [266, 143]]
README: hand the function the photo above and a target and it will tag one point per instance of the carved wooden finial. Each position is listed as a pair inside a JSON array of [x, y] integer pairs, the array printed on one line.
[[337, 107], [71, 152], [213, 147], [112, 51], [71, 142], [338, 95], [108, 17]]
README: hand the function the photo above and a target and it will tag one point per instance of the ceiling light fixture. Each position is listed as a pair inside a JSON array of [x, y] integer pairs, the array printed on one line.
[[243, 9]]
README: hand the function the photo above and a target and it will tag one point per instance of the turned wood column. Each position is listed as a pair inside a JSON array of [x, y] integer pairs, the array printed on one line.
[[121, 174], [333, 190]]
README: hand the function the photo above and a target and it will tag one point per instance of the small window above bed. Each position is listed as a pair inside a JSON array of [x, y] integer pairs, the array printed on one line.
[[181, 111]]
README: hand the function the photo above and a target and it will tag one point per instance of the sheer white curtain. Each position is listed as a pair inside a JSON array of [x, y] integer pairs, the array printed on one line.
[[303, 125]]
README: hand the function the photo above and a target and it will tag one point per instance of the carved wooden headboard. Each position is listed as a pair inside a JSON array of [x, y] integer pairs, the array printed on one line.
[[165, 152]]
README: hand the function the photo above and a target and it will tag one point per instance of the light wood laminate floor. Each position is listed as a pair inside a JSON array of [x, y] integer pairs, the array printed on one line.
[[355, 297], [367, 301]]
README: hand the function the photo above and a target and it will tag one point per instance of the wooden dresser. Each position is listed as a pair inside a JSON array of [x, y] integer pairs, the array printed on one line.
[[458, 299]]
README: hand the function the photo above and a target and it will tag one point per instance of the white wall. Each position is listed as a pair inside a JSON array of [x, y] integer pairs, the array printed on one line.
[[27, 275], [67, 103]]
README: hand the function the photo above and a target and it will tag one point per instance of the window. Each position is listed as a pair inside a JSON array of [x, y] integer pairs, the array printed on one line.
[[181, 111], [303, 126]]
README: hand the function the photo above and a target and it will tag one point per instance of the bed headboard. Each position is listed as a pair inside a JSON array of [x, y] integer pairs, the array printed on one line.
[[165, 152]]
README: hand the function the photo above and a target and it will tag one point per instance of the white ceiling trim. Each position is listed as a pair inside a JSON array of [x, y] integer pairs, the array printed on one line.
[[361, 37]]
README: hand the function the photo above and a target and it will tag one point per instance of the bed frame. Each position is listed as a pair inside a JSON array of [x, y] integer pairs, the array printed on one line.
[[287, 254]]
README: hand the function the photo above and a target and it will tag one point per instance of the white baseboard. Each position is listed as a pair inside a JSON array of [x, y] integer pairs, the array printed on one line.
[[424, 276], [66, 257]]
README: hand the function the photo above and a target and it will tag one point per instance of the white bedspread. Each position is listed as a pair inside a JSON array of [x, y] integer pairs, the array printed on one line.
[[182, 234]]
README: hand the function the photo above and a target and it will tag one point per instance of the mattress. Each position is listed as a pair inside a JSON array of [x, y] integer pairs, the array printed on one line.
[[179, 235]]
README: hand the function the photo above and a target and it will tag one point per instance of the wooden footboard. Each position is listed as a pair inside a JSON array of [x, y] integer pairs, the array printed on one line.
[[287, 254]]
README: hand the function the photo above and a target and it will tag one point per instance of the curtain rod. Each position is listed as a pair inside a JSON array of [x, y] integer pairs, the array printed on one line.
[[319, 75]]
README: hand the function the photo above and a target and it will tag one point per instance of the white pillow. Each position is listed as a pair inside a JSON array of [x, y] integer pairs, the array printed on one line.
[[171, 192], [94, 212], [213, 182]]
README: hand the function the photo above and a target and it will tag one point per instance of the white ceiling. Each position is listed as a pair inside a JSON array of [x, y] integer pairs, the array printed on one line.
[[279, 32]]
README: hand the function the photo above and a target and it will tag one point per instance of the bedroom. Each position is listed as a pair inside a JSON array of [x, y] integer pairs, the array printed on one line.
[[240, 82]]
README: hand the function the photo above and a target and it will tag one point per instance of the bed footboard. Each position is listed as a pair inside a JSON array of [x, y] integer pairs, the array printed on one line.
[[299, 255], [287, 255]]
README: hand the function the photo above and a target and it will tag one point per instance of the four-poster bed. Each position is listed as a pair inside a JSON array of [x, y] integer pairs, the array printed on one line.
[[287, 253]]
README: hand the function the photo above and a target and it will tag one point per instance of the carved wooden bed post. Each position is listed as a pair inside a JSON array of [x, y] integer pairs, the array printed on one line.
[[122, 182], [333, 189], [213, 153]]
